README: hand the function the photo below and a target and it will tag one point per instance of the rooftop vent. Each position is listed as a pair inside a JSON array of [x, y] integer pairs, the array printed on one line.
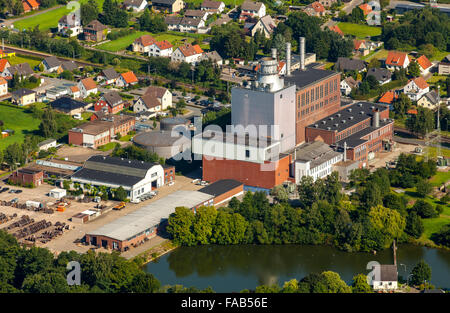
[[315, 125], [338, 115], [328, 128], [331, 118], [324, 122], [336, 125], [372, 107], [349, 109], [362, 112], [360, 104], [350, 117], [343, 121]]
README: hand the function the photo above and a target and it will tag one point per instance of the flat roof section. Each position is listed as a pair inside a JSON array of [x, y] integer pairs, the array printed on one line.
[[356, 139], [221, 186], [126, 227], [307, 77], [348, 117]]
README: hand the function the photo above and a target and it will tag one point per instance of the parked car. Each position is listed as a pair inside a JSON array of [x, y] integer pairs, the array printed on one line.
[[18, 191], [12, 191], [171, 183]]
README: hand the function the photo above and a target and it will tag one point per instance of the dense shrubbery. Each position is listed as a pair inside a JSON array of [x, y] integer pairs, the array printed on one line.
[[135, 153], [36, 270]]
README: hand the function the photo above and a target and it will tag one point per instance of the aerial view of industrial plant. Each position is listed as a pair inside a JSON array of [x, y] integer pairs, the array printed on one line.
[[204, 148]]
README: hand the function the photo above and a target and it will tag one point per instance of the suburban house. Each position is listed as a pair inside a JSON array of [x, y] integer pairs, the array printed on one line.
[[361, 47], [212, 6], [366, 8], [252, 9], [23, 96], [22, 70], [396, 60], [126, 79], [107, 76], [347, 85], [30, 5], [214, 56], [68, 105], [430, 100], [154, 99], [315, 9], [187, 53], [327, 3], [416, 88], [3, 86], [203, 15], [52, 64], [95, 31], [75, 92], [266, 25], [87, 86], [161, 49], [444, 66], [135, 5], [184, 24], [70, 25], [143, 43], [336, 29], [100, 132], [385, 277], [4, 64], [424, 64], [111, 101], [347, 64], [382, 75], [388, 98], [169, 6]]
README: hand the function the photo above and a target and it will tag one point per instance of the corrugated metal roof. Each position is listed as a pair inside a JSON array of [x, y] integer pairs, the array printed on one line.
[[134, 223]]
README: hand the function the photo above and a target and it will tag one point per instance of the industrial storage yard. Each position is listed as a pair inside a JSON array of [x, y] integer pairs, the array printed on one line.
[[69, 239]]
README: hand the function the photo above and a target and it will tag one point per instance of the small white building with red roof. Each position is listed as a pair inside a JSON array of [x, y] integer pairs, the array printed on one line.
[[160, 49], [416, 88]]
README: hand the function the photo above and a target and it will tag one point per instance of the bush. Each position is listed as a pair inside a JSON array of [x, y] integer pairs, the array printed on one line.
[[423, 188], [442, 237], [424, 209]]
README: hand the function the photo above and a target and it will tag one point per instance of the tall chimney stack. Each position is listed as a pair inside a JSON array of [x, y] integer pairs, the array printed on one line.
[[302, 53], [345, 151], [288, 59], [375, 118], [274, 53]]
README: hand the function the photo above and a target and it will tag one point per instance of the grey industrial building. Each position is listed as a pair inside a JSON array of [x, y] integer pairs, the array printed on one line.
[[165, 143]]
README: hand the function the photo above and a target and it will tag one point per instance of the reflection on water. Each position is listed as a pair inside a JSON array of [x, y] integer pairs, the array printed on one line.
[[233, 268]]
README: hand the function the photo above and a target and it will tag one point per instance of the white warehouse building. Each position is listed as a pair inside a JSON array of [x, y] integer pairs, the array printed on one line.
[[315, 159], [136, 177]]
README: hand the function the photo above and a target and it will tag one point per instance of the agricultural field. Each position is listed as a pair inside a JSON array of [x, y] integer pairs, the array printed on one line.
[[19, 121], [124, 42], [359, 31]]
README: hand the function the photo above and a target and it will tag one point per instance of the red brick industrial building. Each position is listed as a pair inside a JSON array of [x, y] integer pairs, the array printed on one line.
[[26, 176]]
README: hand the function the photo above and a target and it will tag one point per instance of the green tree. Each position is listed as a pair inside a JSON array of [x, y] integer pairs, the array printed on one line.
[[279, 193], [89, 12], [422, 123], [334, 283], [421, 273], [389, 222], [120, 194], [423, 188], [424, 209], [402, 104], [414, 69], [360, 285], [414, 225], [180, 226], [205, 219]]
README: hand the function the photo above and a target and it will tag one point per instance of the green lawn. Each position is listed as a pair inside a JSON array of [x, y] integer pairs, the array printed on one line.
[[45, 21], [126, 138], [48, 19], [434, 79], [108, 146], [359, 31], [440, 178], [18, 58], [19, 121], [124, 42]]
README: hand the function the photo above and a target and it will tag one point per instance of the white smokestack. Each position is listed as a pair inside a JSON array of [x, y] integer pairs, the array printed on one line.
[[345, 151], [274, 53], [288, 59], [302, 53]]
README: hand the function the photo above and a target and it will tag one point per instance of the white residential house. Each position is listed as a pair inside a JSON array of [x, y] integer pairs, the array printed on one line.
[[161, 49], [47, 144], [266, 25], [87, 86], [147, 103], [3, 86], [396, 60], [163, 95], [416, 88], [347, 85], [184, 24], [197, 14], [107, 76], [126, 79], [75, 92], [385, 277], [135, 5], [70, 22], [212, 6], [424, 64], [143, 43], [252, 9], [187, 53]]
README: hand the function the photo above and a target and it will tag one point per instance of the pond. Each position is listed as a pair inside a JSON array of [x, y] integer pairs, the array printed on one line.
[[234, 268]]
